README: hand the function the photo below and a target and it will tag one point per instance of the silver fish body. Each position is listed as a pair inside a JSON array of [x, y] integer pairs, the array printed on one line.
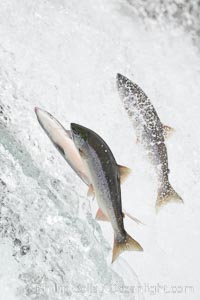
[[104, 175]]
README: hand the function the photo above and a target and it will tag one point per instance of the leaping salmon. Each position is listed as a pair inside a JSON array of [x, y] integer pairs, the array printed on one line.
[[62, 140], [103, 174], [151, 133]]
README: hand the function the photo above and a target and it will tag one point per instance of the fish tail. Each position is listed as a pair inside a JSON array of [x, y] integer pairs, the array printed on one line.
[[127, 243], [166, 194]]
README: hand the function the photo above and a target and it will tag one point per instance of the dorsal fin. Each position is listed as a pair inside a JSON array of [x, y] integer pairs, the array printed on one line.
[[124, 172], [167, 131]]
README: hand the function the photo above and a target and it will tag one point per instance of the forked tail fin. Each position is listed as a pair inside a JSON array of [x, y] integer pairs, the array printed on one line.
[[127, 243], [166, 195]]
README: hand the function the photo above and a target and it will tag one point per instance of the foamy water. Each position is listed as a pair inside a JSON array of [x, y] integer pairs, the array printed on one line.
[[63, 56]]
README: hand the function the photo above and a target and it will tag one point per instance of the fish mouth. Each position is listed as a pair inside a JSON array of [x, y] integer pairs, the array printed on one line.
[[39, 110], [78, 130], [42, 113], [46, 120]]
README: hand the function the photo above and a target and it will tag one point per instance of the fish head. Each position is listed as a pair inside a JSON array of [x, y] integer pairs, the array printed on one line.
[[126, 92], [59, 136], [46, 120], [123, 85], [80, 137]]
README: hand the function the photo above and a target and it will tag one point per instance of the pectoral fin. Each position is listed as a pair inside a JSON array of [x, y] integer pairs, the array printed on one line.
[[167, 131], [69, 133], [91, 192], [124, 172], [101, 216]]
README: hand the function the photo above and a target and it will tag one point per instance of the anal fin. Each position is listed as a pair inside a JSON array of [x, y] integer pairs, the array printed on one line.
[[101, 216], [125, 213]]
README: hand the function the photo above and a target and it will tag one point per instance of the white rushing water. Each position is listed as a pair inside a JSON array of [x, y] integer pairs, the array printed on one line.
[[63, 56]]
